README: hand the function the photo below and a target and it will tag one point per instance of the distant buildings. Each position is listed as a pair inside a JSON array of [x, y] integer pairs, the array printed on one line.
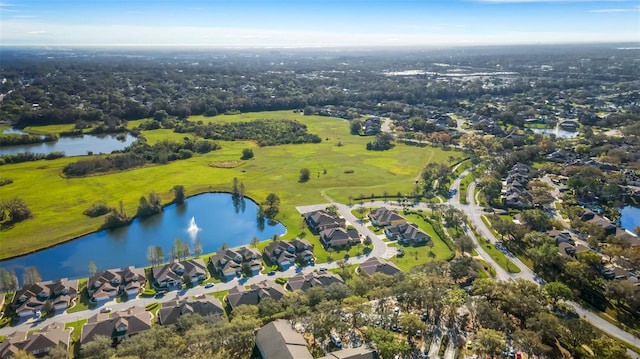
[[286, 253]]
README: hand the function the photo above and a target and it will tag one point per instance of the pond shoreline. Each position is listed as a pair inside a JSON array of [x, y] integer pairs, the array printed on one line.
[[7, 261]]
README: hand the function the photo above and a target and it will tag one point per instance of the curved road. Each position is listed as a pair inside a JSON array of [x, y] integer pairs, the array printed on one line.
[[474, 213]]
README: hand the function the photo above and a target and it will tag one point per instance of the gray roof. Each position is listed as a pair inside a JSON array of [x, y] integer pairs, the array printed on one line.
[[203, 305], [277, 340], [239, 295], [378, 265], [313, 279]]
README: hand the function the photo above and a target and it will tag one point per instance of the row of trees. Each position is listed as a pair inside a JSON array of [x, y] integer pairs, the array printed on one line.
[[264, 132], [139, 154]]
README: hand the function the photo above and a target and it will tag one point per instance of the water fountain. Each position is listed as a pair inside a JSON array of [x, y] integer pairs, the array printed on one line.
[[193, 227]]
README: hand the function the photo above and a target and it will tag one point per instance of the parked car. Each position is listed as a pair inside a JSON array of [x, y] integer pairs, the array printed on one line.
[[208, 285], [272, 272], [323, 269], [105, 310]]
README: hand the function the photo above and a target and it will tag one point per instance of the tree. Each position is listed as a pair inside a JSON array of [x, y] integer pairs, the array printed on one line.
[[463, 243], [197, 247], [605, 348], [536, 219], [540, 193], [556, 291], [159, 256], [305, 174], [247, 154], [92, 268], [31, 275], [273, 206], [254, 242], [411, 323], [361, 212], [152, 255], [98, 348], [179, 192], [490, 340], [8, 280], [367, 241], [355, 127], [160, 115], [357, 306], [14, 210]]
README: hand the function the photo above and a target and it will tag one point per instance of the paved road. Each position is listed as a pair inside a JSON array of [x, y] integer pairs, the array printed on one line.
[[474, 213]]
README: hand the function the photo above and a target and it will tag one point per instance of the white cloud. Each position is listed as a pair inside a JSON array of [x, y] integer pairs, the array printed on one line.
[[637, 8]]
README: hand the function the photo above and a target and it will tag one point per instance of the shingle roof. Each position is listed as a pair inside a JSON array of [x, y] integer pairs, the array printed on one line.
[[378, 265], [277, 340], [313, 279]]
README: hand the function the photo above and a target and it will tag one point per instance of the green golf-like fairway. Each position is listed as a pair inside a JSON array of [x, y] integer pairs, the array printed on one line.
[[57, 203]]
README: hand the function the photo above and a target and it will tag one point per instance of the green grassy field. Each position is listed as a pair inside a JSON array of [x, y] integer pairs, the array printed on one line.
[[57, 203], [414, 256]]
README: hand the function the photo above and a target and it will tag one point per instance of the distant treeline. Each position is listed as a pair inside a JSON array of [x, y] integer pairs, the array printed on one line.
[[264, 132], [28, 156], [15, 140], [139, 154]]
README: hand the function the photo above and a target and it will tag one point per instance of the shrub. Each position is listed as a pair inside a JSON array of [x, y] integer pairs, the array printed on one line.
[[5, 181], [97, 209], [281, 280]]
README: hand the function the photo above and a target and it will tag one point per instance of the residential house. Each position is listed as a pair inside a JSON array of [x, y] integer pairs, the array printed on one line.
[[371, 126], [608, 227], [229, 263], [375, 265], [381, 217], [240, 295], [339, 237], [121, 324], [203, 305], [286, 253], [407, 234], [174, 273], [279, 340], [322, 220], [560, 236], [569, 125], [106, 285], [314, 279], [59, 294], [515, 193], [37, 343]]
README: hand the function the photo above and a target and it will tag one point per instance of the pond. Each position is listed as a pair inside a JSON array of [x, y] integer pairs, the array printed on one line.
[[555, 131], [73, 146], [630, 218], [211, 217]]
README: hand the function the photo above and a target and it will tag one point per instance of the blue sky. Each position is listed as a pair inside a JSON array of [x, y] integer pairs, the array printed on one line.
[[316, 23]]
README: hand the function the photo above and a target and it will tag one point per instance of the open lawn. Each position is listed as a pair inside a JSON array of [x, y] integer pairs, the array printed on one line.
[[414, 256], [57, 203]]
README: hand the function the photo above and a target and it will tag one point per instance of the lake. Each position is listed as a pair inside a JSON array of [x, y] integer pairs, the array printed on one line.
[[214, 215], [630, 218], [73, 146]]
